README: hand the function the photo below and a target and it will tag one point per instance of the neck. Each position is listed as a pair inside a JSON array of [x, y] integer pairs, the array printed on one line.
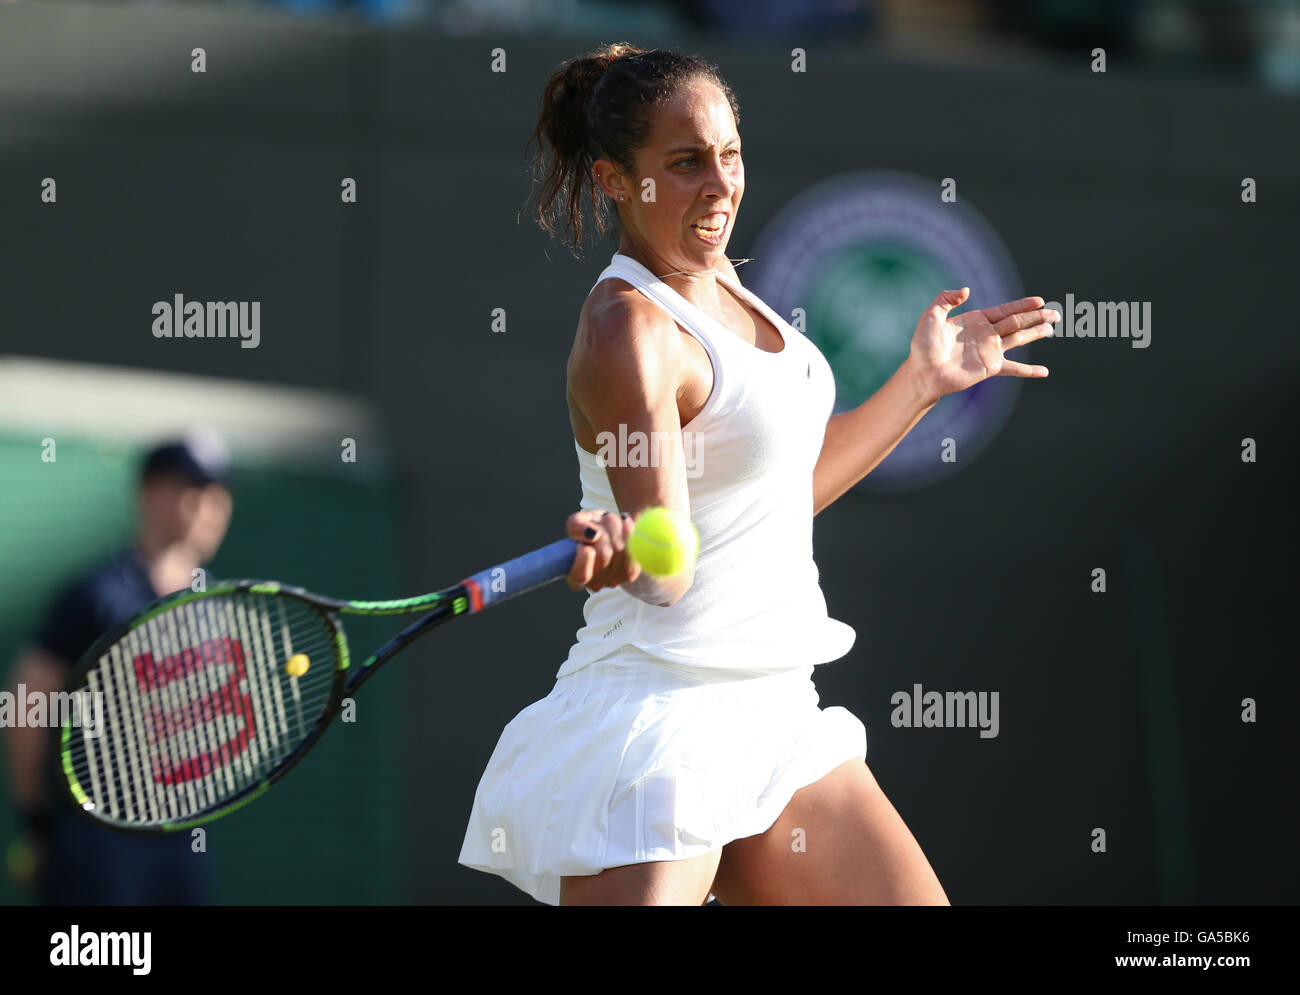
[[697, 284], [170, 566]]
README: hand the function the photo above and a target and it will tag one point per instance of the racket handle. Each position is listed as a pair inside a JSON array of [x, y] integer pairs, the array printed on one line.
[[523, 573]]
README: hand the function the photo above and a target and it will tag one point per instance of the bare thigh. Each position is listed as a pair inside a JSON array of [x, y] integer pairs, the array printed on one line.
[[660, 882], [839, 841]]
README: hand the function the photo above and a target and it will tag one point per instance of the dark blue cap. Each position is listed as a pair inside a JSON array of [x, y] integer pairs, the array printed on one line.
[[200, 457]]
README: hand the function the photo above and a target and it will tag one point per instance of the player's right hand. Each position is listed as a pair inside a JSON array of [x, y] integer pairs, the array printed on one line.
[[602, 559]]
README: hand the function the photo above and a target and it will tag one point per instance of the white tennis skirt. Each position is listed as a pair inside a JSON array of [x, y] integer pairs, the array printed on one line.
[[631, 759]]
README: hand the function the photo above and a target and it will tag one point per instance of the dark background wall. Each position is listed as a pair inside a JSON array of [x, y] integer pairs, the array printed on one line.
[[1119, 711]]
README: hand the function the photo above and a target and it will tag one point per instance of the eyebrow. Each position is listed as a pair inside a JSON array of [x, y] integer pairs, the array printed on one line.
[[699, 148]]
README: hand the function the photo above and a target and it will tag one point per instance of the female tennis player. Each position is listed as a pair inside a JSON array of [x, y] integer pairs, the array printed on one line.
[[682, 752]]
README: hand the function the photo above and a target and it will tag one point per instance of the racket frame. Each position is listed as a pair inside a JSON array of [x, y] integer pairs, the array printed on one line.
[[479, 591], [348, 676]]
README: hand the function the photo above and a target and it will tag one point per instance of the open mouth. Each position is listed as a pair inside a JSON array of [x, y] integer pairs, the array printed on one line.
[[711, 227]]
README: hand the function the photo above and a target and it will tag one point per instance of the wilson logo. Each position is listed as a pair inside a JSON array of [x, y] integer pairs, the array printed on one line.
[[225, 701]]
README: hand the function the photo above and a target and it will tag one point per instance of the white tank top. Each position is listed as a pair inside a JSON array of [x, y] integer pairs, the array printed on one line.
[[755, 603]]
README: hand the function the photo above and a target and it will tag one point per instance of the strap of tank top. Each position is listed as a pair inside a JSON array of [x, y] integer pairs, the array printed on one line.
[[663, 295]]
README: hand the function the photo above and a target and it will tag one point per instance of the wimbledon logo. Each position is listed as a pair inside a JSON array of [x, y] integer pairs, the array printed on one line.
[[863, 255]]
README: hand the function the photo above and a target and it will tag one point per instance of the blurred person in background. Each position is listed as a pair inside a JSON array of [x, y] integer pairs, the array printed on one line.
[[184, 509]]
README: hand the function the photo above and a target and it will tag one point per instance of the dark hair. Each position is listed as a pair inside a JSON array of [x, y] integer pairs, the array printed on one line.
[[600, 106]]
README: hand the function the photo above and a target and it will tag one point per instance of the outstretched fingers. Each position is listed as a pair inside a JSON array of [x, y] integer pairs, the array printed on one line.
[[1025, 319], [949, 299], [1010, 368], [1011, 340], [999, 312]]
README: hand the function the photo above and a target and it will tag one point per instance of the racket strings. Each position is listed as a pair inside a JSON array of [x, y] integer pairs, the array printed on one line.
[[197, 705]]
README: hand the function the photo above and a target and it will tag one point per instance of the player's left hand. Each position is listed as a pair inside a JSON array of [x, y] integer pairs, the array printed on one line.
[[952, 352]]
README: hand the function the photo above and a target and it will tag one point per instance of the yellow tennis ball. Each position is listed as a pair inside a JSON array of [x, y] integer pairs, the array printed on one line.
[[664, 542], [297, 665]]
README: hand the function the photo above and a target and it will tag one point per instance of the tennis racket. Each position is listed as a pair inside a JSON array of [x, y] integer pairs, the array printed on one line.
[[210, 697]]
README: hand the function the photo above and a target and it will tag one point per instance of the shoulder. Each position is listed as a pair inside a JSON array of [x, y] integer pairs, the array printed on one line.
[[118, 568], [87, 586], [73, 615], [92, 603], [617, 314], [623, 338], [97, 590]]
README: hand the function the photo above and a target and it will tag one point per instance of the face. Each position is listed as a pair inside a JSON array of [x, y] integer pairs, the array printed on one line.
[[211, 518], [684, 218], [180, 512]]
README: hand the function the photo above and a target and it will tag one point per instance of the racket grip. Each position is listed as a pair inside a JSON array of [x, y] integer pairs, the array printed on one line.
[[523, 573]]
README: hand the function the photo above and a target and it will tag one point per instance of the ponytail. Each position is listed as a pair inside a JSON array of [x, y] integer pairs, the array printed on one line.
[[599, 106]]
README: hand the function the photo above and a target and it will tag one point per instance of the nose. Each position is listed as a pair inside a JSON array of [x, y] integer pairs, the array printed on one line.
[[719, 183]]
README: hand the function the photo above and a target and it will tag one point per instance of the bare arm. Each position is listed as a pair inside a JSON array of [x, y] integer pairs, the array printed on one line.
[[26, 748], [625, 371], [857, 441]]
